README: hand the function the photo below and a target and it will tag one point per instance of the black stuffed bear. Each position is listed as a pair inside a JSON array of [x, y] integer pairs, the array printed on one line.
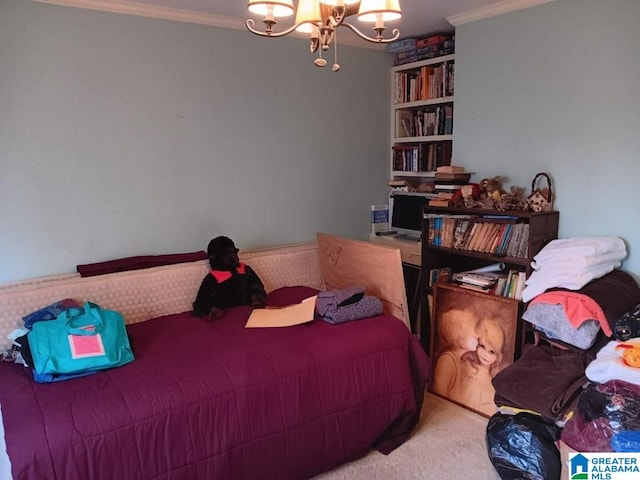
[[229, 283]]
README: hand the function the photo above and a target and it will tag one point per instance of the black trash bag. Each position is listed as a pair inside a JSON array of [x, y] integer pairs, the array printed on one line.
[[522, 447]]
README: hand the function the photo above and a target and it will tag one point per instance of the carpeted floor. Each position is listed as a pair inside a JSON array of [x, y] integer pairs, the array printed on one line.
[[448, 443]]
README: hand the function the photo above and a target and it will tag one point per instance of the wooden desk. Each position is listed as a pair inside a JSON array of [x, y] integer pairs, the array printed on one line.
[[410, 250], [411, 255]]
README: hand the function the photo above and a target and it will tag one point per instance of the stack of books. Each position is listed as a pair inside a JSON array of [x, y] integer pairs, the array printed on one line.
[[453, 173], [442, 199], [409, 50], [480, 281], [448, 180], [506, 284]]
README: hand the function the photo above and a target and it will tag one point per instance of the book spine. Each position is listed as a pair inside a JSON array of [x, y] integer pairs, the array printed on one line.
[[379, 218]]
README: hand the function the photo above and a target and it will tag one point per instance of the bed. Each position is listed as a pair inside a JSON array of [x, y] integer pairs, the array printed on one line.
[[208, 400]]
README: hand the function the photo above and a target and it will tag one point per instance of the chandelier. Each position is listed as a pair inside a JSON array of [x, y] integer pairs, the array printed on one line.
[[321, 18]]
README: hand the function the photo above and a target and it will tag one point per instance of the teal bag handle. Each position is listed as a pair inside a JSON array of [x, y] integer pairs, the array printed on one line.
[[76, 318]]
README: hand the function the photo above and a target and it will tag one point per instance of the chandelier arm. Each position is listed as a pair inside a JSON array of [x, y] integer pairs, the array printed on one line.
[[250, 23], [395, 31]]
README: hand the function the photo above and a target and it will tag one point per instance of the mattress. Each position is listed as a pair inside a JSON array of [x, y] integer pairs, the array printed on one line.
[[211, 399]]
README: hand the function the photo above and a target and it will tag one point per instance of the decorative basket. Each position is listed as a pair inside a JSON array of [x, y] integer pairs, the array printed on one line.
[[540, 199]]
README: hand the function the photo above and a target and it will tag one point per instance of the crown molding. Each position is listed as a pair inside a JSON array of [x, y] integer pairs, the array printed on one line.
[[493, 10], [145, 10], [188, 16]]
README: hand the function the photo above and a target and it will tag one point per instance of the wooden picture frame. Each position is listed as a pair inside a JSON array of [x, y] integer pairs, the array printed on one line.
[[474, 335]]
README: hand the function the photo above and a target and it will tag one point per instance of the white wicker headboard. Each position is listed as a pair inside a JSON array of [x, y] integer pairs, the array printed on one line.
[[143, 294]]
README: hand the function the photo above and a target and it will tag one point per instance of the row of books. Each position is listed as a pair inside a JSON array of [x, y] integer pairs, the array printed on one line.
[[430, 81], [506, 284], [423, 157], [500, 237], [437, 120], [442, 274]]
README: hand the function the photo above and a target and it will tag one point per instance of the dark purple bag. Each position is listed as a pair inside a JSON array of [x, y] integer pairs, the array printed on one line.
[[345, 304]]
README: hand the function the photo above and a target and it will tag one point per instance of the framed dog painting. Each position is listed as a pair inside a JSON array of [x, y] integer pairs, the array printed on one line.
[[474, 335]]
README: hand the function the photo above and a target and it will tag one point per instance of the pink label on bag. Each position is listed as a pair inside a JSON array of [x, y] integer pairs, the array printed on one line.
[[83, 346]]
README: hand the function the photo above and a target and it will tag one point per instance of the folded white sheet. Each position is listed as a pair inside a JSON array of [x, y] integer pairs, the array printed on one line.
[[608, 365], [573, 261], [585, 246], [543, 279]]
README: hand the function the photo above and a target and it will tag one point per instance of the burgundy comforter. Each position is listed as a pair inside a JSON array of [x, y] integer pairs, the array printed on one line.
[[213, 400]]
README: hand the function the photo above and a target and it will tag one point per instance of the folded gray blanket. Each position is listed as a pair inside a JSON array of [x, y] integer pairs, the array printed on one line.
[[346, 304], [551, 320]]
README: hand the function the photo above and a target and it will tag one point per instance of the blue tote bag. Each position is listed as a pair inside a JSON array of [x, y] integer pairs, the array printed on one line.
[[80, 340]]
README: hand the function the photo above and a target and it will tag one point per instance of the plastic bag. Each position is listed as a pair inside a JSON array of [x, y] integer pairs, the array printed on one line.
[[522, 446], [626, 441], [603, 410]]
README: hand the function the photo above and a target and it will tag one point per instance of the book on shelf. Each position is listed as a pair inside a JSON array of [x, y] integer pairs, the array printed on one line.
[[482, 279], [518, 241], [491, 237], [499, 288], [468, 235], [435, 39], [491, 248], [440, 221], [442, 274], [506, 284], [399, 183], [500, 218], [511, 285], [448, 228], [439, 202], [522, 277], [450, 169], [408, 158], [458, 233], [402, 45], [451, 187], [448, 119], [504, 240], [476, 288], [426, 73], [379, 218], [523, 246], [459, 177], [445, 195], [481, 236]]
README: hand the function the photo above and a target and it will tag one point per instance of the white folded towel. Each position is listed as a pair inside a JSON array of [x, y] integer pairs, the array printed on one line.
[[574, 262], [586, 246], [558, 270], [609, 365]]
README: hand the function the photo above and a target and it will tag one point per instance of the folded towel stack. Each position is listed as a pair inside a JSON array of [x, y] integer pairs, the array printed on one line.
[[572, 263]]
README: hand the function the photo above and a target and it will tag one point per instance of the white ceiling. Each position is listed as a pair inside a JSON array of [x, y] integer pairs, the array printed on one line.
[[419, 17]]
